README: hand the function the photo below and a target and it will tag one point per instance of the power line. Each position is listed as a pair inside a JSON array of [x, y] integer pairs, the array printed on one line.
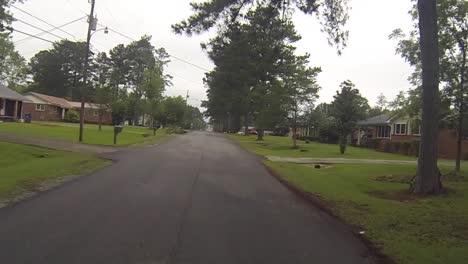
[[42, 20], [52, 29], [30, 35], [177, 58], [38, 28]]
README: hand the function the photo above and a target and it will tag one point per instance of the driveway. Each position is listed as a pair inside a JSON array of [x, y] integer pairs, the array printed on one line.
[[197, 198]]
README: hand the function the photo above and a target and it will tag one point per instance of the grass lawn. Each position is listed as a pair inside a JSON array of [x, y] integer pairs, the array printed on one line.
[[69, 132], [24, 168], [281, 146], [411, 230]]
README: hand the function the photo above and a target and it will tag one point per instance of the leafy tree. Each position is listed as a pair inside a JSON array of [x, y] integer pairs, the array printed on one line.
[[12, 65], [59, 71], [193, 118], [6, 17], [171, 111], [427, 179], [302, 87], [452, 44], [347, 108], [333, 15]]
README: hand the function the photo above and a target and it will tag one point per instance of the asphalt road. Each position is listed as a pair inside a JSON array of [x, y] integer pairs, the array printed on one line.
[[198, 198]]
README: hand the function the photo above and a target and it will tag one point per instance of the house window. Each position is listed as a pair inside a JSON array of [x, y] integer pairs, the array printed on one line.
[[57, 109], [40, 107], [383, 131], [95, 113], [400, 129], [418, 131]]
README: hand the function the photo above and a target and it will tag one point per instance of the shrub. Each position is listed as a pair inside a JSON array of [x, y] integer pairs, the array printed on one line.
[[414, 148], [307, 138], [405, 148], [372, 143], [72, 116], [387, 147], [395, 147]]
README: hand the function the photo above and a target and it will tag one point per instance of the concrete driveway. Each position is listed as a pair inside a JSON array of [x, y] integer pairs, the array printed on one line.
[[197, 198]]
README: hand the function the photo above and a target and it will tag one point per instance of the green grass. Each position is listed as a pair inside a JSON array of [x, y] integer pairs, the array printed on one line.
[[24, 168], [282, 147], [411, 230], [69, 132]]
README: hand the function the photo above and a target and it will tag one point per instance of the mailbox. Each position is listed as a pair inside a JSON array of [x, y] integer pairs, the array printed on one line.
[[117, 130]]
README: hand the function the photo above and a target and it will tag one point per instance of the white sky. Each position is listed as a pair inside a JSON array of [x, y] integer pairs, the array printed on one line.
[[369, 60]]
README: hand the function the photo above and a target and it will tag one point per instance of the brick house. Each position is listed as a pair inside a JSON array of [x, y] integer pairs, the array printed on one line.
[[11, 104], [43, 107], [402, 129], [92, 113]]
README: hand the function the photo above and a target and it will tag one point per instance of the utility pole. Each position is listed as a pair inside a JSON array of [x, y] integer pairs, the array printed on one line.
[[91, 26]]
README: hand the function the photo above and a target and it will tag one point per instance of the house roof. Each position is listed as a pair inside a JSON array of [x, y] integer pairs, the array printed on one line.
[[376, 120], [87, 105], [57, 101], [7, 93]]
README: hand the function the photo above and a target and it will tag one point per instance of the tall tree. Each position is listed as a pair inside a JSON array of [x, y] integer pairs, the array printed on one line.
[[452, 45], [5, 16], [13, 68], [333, 15], [58, 71], [427, 179], [302, 87], [347, 108]]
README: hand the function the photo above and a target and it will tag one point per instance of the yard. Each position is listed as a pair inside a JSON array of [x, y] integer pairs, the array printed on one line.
[[374, 198], [24, 168], [69, 132], [281, 146]]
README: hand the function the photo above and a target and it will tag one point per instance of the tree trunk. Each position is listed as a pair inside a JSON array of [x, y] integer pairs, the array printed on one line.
[[260, 134], [246, 124], [427, 179], [294, 136], [100, 121], [343, 142], [460, 137], [460, 108]]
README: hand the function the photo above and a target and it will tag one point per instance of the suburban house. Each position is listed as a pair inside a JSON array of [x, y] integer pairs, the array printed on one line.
[[11, 104], [402, 129], [43, 107], [92, 113]]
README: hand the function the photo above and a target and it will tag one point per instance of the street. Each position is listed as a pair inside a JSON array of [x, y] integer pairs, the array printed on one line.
[[198, 198]]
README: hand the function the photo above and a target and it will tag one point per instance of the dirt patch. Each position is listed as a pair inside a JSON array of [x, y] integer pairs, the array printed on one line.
[[319, 166], [395, 178]]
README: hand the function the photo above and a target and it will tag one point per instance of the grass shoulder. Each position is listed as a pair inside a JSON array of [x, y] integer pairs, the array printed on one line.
[[282, 147], [26, 168], [409, 229], [92, 135]]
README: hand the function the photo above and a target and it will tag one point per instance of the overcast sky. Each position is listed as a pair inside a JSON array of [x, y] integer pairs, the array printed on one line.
[[369, 60]]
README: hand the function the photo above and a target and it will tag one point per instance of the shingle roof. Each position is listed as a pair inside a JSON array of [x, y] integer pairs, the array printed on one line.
[[376, 120], [57, 101], [7, 93], [87, 105]]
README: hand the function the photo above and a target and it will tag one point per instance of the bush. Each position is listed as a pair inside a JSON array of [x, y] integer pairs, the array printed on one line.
[[387, 147], [414, 148], [307, 138], [72, 116], [405, 148], [394, 147], [372, 143]]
